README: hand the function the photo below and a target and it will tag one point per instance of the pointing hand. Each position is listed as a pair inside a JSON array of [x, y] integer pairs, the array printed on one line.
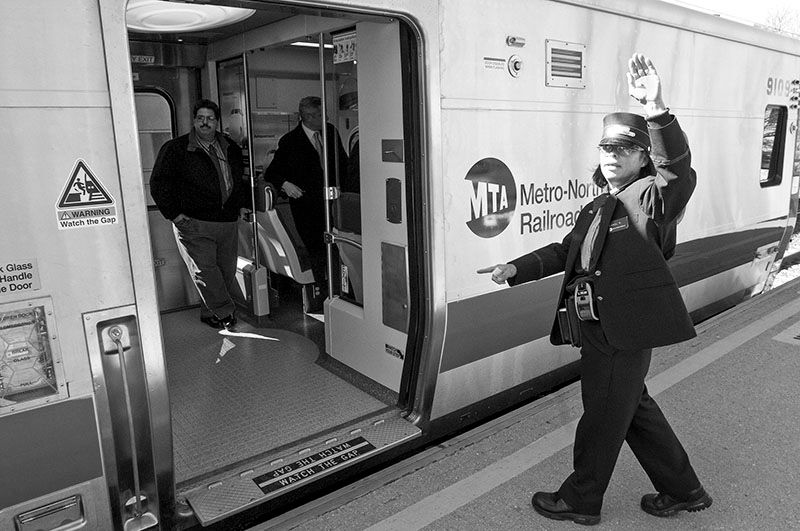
[[500, 272]]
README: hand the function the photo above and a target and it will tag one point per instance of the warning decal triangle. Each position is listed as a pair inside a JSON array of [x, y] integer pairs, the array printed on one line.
[[83, 189]]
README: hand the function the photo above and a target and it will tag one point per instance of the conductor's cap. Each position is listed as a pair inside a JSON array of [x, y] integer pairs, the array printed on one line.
[[625, 129]]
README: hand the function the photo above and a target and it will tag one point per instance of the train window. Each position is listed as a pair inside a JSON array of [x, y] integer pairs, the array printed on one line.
[[772, 145], [154, 118]]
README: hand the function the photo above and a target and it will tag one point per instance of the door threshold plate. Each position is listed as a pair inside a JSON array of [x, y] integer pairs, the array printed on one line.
[[247, 488]]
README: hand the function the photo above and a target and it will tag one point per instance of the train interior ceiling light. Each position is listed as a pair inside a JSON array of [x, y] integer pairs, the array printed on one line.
[[156, 16], [306, 44]]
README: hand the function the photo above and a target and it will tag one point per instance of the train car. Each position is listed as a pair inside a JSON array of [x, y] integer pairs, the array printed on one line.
[[470, 130]]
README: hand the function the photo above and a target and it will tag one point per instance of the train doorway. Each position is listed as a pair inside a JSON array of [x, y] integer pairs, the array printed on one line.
[[321, 378]]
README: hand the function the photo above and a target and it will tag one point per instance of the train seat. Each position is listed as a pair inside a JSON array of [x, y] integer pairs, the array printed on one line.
[[280, 244]]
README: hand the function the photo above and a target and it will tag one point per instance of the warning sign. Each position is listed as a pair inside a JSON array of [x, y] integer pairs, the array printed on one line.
[[84, 202], [313, 464], [83, 189]]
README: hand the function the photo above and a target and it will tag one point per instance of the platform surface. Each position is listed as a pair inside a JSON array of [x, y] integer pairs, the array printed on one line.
[[730, 394]]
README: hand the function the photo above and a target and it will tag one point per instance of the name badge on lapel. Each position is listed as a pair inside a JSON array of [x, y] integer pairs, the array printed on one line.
[[618, 224]]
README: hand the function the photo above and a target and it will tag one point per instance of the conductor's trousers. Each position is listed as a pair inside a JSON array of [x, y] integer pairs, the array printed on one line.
[[617, 408]]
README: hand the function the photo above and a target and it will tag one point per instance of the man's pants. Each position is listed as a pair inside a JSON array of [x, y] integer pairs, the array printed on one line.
[[617, 408], [209, 249], [308, 213]]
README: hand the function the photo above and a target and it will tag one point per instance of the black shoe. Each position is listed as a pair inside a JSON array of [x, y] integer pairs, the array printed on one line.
[[213, 322], [666, 505], [549, 504], [228, 322]]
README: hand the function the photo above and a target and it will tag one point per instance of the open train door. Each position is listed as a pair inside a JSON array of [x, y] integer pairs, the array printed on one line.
[[367, 323], [358, 365]]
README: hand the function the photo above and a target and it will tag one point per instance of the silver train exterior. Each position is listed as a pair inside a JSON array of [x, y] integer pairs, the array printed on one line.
[[496, 106]]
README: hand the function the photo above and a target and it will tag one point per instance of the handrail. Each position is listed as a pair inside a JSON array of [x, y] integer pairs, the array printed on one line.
[[331, 237]]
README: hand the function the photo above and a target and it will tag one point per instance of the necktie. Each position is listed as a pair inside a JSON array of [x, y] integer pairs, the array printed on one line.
[[224, 170], [588, 242], [318, 147]]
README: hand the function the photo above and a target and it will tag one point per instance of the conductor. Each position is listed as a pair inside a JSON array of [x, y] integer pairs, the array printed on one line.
[[618, 300]]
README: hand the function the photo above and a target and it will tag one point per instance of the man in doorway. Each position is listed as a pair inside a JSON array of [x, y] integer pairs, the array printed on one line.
[[297, 171], [197, 183]]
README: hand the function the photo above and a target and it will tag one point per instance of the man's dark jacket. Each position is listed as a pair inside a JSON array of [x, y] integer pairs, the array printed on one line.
[[185, 181], [297, 161], [638, 301]]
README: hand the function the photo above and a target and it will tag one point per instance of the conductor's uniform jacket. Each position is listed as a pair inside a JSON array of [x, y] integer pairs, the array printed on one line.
[[637, 298], [639, 307]]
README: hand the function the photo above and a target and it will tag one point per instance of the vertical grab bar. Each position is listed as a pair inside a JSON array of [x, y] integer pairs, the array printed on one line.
[[251, 162], [141, 519], [329, 192]]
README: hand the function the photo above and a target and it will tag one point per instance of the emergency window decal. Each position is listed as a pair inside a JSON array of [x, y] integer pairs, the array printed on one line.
[[19, 275], [30, 357]]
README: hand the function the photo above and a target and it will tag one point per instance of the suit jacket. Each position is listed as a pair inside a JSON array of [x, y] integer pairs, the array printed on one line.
[[638, 300], [297, 161]]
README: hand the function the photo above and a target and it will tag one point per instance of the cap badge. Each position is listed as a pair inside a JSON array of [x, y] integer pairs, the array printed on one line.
[[619, 130]]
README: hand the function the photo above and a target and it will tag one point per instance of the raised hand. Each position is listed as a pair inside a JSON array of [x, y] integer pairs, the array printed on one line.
[[644, 84]]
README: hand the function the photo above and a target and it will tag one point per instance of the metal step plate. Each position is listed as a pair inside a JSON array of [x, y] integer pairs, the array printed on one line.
[[247, 488]]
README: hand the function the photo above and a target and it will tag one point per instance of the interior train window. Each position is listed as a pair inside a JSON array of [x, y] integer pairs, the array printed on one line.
[[156, 123], [772, 145]]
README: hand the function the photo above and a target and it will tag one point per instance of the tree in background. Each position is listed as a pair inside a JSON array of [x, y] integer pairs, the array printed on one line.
[[783, 20]]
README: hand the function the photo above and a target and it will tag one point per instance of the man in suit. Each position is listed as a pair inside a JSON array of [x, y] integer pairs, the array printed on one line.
[[296, 170], [618, 248], [198, 184]]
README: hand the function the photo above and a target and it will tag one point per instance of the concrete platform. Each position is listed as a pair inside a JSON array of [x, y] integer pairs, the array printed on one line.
[[730, 394]]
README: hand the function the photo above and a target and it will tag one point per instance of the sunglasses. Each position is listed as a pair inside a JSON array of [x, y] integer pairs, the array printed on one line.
[[619, 150]]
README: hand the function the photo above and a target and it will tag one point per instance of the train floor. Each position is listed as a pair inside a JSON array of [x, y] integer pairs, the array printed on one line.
[[238, 396], [730, 394]]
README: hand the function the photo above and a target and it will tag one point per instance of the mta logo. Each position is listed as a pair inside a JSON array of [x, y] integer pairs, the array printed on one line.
[[493, 198]]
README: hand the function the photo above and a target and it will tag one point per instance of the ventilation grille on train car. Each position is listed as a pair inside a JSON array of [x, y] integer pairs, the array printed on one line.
[[565, 64]]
